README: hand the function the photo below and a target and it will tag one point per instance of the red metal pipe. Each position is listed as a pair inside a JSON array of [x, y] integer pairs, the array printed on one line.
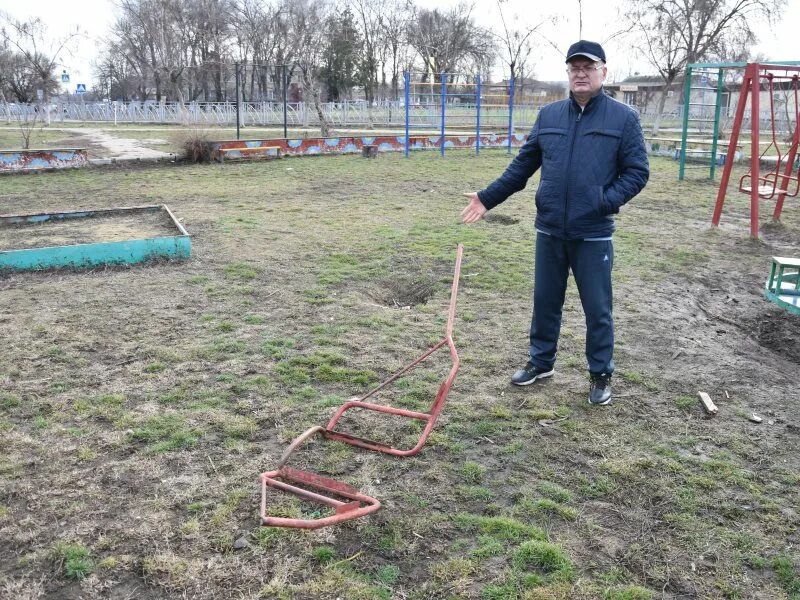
[[755, 93], [359, 506], [792, 154], [438, 403], [747, 83]]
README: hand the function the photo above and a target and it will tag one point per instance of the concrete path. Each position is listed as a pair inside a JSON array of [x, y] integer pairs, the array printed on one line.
[[119, 147]]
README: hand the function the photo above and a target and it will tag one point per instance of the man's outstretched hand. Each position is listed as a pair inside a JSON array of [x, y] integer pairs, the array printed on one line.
[[475, 210]]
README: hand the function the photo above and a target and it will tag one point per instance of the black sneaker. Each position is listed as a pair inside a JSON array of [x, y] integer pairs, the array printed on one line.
[[600, 389], [530, 373]]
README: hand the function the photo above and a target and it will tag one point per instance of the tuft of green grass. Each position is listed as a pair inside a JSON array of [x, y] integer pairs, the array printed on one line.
[[505, 591], [387, 575], [316, 296], [166, 433], [323, 554], [454, 569], [787, 576], [547, 558], [488, 546], [242, 271], [554, 492], [84, 453], [277, 348], [475, 492], [501, 528], [239, 427], [628, 592], [225, 326], [9, 401], [596, 487], [685, 402], [546, 505], [472, 472], [76, 559]]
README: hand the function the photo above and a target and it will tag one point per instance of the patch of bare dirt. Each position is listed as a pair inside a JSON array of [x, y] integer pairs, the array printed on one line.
[[498, 219], [111, 146]]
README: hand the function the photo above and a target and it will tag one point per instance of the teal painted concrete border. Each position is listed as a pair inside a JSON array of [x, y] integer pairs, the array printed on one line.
[[102, 253]]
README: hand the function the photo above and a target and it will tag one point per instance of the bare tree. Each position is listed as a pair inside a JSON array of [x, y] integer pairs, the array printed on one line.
[[207, 24], [152, 36], [256, 27], [37, 54], [447, 40], [516, 42], [675, 33], [395, 19], [368, 19], [308, 25]]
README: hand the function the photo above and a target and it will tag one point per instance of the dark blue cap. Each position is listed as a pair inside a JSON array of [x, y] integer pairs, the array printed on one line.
[[591, 50]]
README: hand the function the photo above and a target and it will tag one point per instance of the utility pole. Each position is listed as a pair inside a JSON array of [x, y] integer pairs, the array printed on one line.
[[236, 71], [285, 85]]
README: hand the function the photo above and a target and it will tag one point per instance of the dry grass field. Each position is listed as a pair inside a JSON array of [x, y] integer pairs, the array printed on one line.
[[139, 405]]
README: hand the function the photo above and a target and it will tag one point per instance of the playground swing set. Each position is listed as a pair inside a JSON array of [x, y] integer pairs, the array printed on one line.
[[699, 88], [777, 182], [781, 180]]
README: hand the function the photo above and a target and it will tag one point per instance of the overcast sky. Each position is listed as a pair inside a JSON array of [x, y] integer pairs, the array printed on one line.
[[601, 20]]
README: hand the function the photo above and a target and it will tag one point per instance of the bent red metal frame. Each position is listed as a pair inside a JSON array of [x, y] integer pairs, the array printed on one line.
[[359, 504]]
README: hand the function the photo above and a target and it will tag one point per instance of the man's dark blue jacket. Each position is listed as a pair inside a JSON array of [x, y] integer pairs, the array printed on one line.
[[593, 161]]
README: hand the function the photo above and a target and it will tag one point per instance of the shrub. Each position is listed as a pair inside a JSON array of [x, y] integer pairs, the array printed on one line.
[[196, 144]]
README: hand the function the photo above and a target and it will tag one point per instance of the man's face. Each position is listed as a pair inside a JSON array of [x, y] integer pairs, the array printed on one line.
[[585, 78]]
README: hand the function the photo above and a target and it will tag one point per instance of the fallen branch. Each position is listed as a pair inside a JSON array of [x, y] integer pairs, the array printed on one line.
[[344, 560], [718, 317]]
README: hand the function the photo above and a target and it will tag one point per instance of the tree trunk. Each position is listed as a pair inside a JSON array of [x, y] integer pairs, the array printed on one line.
[[324, 126], [157, 78], [660, 110]]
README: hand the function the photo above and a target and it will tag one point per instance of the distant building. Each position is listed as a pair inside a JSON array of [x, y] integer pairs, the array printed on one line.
[[532, 92], [643, 92]]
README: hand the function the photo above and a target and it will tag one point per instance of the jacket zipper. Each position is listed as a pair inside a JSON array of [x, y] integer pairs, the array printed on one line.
[[569, 165]]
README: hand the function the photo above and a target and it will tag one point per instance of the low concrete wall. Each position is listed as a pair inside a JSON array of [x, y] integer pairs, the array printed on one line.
[[24, 161], [354, 144]]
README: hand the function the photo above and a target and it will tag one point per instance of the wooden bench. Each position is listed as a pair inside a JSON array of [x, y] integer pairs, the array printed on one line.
[[783, 285], [784, 276], [248, 152]]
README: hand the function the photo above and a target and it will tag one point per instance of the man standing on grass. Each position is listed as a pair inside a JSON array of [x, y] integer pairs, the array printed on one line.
[[593, 159]]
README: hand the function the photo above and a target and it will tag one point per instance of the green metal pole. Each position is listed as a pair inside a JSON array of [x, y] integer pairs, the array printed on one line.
[[717, 110], [687, 94]]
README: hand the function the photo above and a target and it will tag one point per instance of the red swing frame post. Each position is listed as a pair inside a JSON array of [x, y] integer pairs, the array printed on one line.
[[791, 156], [357, 504], [751, 87]]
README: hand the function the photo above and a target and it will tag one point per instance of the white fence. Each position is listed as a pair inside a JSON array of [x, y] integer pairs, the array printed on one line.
[[301, 114]]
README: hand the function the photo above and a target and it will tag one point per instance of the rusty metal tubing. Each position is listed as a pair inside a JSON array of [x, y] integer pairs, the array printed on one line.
[[402, 371], [297, 441], [438, 403], [360, 504]]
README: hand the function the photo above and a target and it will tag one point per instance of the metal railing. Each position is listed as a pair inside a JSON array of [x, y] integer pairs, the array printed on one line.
[[351, 113]]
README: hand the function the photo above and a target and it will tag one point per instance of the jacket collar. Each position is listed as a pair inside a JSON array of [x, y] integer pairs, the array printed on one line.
[[593, 101]]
